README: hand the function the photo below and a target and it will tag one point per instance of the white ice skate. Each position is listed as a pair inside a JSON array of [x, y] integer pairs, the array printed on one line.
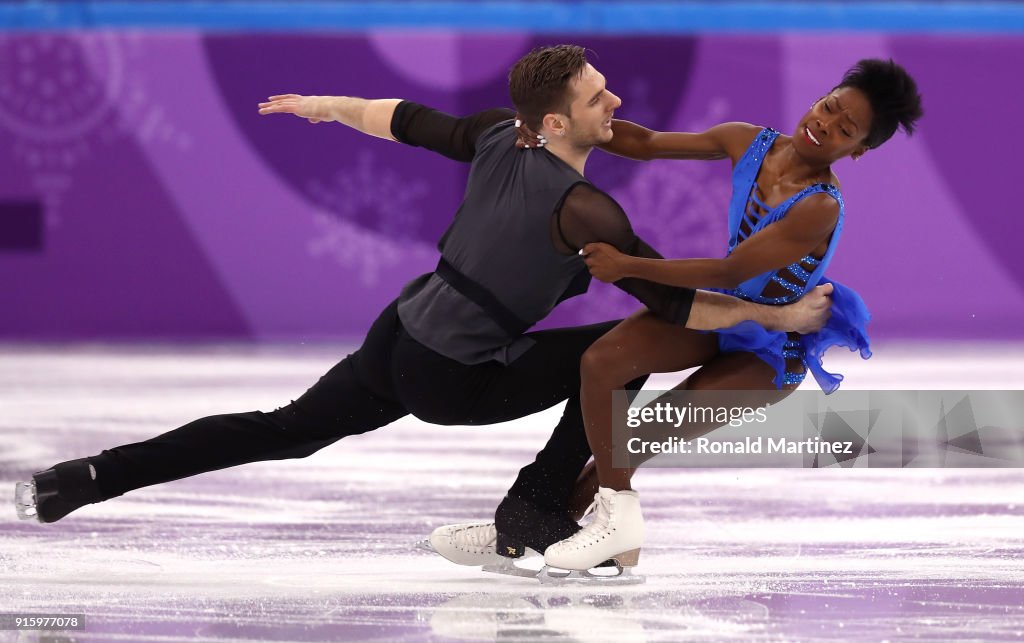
[[475, 544], [616, 533]]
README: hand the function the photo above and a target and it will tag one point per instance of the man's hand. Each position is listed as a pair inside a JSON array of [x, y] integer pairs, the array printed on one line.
[[371, 117], [312, 108], [810, 313], [605, 262]]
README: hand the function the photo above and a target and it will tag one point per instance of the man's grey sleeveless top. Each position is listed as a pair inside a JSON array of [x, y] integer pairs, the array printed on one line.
[[499, 272]]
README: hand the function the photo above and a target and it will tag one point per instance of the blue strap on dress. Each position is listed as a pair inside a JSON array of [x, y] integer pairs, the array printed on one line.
[[846, 327]]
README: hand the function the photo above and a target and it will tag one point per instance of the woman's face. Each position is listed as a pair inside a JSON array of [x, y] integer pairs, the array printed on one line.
[[835, 127]]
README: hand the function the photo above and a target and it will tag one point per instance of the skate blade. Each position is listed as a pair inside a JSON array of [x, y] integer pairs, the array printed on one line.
[[25, 500], [424, 545], [555, 576], [506, 567]]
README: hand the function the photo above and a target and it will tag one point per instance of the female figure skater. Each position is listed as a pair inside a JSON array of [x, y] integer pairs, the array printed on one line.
[[785, 219]]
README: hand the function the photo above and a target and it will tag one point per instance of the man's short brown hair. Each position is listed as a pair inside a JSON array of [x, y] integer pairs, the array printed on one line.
[[539, 82]]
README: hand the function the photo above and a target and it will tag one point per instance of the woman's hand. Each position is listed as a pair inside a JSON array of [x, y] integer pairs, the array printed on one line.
[[605, 262], [527, 138]]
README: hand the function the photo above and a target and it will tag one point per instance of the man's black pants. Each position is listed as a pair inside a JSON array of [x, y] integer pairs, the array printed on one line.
[[391, 375]]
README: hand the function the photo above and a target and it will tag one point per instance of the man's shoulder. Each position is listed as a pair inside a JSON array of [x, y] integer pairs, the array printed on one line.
[[583, 198], [496, 139], [501, 129]]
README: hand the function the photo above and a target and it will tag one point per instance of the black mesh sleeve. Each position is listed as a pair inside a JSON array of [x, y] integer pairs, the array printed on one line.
[[589, 215], [421, 126]]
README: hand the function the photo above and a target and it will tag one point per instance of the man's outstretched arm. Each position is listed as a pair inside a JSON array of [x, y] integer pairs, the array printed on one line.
[[394, 119], [371, 117]]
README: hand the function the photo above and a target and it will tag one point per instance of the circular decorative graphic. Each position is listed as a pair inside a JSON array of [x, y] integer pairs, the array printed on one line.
[[57, 87]]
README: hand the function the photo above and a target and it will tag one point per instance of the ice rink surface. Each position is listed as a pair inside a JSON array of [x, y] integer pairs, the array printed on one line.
[[323, 548]]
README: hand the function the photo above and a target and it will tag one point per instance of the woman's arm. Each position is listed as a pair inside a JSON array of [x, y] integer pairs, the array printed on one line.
[[776, 246], [588, 215], [728, 140]]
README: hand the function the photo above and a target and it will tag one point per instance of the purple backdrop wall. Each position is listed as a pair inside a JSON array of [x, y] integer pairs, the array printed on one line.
[[141, 196]]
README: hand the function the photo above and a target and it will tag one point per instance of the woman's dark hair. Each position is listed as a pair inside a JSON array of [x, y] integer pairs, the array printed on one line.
[[892, 94]]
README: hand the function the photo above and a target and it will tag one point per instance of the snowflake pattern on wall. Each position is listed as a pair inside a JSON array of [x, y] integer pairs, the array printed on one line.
[[374, 196], [368, 218]]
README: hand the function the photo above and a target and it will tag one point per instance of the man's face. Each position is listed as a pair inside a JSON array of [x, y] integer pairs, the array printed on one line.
[[591, 110]]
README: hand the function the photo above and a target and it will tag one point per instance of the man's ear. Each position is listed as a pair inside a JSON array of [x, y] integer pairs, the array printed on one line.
[[554, 123]]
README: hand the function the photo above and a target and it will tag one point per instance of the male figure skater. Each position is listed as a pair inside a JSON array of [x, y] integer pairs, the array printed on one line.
[[453, 347]]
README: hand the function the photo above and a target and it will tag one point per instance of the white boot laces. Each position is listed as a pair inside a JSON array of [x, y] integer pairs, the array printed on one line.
[[599, 524], [476, 535]]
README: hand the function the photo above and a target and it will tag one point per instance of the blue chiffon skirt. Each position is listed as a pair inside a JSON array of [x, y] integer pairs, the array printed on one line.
[[847, 327]]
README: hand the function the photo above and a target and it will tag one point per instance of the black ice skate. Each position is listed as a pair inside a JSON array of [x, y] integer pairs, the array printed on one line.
[[56, 492], [523, 525]]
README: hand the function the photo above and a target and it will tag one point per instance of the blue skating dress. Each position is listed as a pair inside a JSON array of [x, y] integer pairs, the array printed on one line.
[[846, 327]]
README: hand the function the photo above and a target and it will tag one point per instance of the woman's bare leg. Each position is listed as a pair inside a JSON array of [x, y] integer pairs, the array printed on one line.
[[640, 345], [724, 372]]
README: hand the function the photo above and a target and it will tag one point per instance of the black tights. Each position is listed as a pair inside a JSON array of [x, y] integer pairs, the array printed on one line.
[[390, 376]]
